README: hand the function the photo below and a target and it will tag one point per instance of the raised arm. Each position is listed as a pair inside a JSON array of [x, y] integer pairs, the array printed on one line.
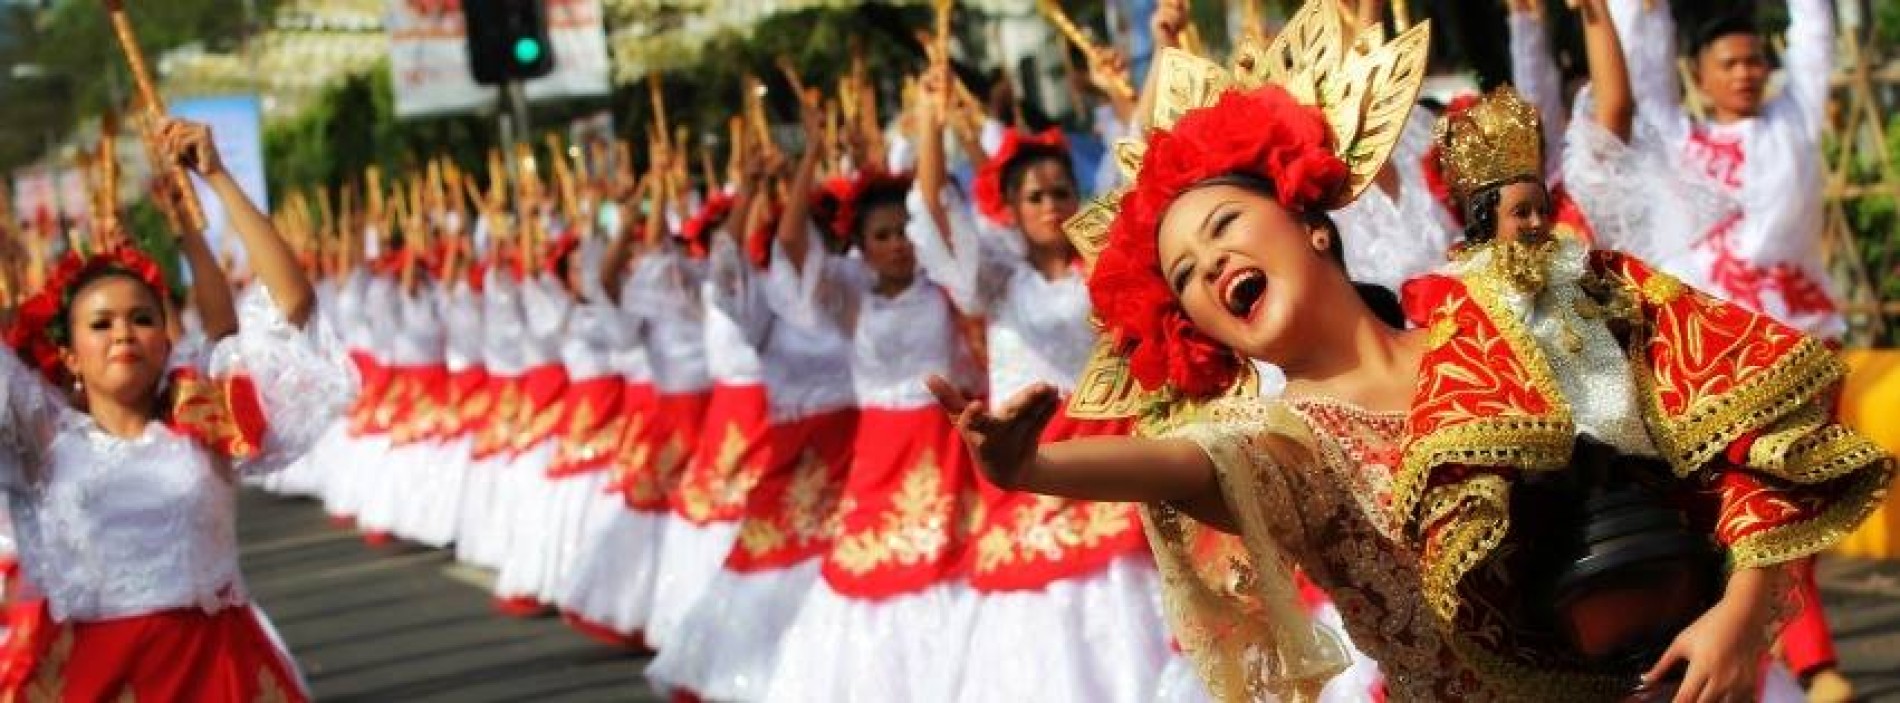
[[794, 225], [1534, 73], [1615, 106], [1809, 61], [210, 289], [189, 144], [932, 169], [613, 266], [1648, 38]]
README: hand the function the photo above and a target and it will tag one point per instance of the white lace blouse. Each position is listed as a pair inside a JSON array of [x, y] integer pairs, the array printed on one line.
[[668, 285], [896, 341], [1038, 328], [111, 527], [462, 320]]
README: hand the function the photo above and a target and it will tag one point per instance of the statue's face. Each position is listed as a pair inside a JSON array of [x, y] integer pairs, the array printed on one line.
[[1523, 213]]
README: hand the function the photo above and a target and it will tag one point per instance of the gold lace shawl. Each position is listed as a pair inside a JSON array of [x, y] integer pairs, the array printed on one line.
[[1232, 601]]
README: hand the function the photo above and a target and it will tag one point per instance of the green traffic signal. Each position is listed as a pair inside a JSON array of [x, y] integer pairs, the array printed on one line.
[[527, 50]]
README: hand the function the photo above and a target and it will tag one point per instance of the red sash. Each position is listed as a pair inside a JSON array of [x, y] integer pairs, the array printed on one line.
[[791, 514], [907, 505], [1026, 541], [727, 459], [590, 426], [172, 655], [540, 410], [657, 456]]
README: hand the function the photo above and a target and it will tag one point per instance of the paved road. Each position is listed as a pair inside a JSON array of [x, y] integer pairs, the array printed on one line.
[[402, 623]]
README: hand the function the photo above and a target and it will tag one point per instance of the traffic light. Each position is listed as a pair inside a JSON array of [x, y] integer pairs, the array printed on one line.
[[507, 40]]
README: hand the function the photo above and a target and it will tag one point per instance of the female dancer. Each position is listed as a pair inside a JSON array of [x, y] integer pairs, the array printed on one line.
[[123, 493], [1217, 255], [1073, 575], [711, 493], [891, 617], [728, 645]]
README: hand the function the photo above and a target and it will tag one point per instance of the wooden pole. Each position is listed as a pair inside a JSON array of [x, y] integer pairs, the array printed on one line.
[[154, 109]]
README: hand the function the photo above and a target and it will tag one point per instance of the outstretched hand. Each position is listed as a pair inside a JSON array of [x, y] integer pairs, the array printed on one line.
[[1004, 442]]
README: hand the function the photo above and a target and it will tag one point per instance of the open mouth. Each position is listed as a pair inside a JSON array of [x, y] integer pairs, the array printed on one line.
[[1243, 292]]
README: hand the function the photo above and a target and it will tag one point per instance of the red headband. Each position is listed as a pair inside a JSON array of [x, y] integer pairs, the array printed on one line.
[[990, 198], [851, 196], [40, 328], [1263, 133]]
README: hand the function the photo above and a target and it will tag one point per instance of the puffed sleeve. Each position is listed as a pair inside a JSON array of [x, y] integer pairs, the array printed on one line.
[[298, 377], [29, 417], [822, 290], [731, 288], [1237, 611], [1648, 32], [970, 268], [1809, 62], [1635, 198]]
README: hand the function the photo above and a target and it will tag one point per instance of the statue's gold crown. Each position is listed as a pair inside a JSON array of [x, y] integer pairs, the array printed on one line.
[[1365, 86], [1499, 139]]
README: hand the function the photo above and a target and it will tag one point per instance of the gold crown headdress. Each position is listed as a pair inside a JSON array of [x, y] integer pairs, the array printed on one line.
[[1364, 85], [1498, 139]]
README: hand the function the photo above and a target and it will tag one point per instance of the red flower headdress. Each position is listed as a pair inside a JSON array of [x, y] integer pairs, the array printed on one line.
[[1315, 113], [711, 214], [1264, 133], [990, 199], [851, 192], [826, 199], [41, 328]]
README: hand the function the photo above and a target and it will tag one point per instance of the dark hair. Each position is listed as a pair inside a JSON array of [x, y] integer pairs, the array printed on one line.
[[1726, 24], [61, 329], [1030, 155], [1383, 303], [1481, 210], [875, 196]]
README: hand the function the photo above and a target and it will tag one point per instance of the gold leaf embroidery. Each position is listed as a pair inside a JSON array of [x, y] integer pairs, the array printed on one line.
[[913, 530]]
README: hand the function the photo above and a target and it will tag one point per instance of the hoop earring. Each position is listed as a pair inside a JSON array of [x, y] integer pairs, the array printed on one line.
[[1322, 242]]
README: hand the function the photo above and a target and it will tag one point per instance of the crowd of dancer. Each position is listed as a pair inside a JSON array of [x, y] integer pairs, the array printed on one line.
[[730, 418]]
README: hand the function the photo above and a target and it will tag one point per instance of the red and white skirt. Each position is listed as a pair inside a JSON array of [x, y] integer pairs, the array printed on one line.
[[729, 641], [891, 619], [174, 655], [707, 504], [1076, 578]]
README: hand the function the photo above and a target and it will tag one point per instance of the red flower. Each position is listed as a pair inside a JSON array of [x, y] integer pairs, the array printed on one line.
[[1264, 133], [990, 199], [850, 193], [40, 327]]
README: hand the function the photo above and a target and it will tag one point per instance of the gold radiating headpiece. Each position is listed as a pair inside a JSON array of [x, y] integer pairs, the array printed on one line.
[[1497, 140], [1365, 86]]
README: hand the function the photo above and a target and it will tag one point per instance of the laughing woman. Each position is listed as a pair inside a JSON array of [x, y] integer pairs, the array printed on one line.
[[122, 453]]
